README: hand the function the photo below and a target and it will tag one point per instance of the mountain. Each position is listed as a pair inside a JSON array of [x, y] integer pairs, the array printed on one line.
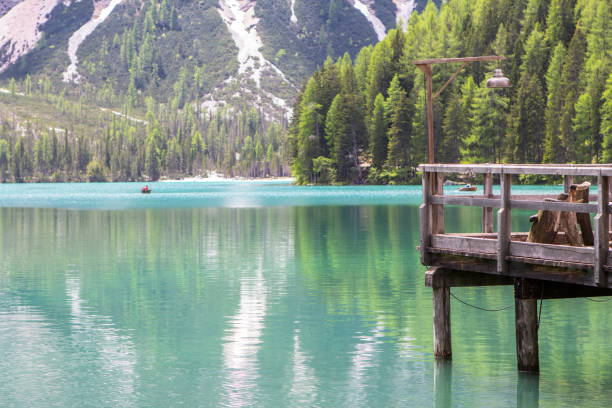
[[214, 52], [147, 89]]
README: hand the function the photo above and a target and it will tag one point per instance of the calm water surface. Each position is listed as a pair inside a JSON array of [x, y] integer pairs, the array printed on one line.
[[260, 294]]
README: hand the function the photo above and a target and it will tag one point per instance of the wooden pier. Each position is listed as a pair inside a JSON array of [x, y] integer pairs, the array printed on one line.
[[563, 256]]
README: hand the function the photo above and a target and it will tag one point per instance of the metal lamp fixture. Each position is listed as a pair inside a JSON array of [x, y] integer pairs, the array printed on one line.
[[498, 80]]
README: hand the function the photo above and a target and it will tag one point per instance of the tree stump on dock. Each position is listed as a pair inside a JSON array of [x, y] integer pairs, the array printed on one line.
[[546, 224]]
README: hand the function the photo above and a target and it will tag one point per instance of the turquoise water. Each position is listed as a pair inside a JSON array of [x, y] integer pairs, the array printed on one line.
[[260, 294]]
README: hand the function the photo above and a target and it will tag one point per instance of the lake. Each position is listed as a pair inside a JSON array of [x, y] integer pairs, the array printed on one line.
[[261, 294]]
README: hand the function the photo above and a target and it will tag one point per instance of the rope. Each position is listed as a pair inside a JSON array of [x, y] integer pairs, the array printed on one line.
[[540, 313], [480, 308], [598, 301]]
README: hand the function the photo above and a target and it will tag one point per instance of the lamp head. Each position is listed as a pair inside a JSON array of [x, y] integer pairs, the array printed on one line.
[[498, 80]]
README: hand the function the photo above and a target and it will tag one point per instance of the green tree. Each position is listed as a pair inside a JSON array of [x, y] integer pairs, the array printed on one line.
[[378, 133]]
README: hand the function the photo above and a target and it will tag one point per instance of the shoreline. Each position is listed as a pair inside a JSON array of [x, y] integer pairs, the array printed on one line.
[[218, 179]]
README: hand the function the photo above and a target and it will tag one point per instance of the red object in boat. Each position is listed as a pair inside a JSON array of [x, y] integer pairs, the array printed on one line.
[[145, 190]]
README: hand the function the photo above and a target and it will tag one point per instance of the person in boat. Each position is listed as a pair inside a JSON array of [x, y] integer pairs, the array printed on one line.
[[145, 189], [468, 186]]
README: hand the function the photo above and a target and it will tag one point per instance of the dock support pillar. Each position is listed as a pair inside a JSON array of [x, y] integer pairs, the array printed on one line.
[[442, 323], [527, 357]]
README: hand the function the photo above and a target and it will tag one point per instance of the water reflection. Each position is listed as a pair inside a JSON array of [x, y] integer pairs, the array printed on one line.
[[304, 384], [528, 390], [296, 306], [96, 335], [443, 381]]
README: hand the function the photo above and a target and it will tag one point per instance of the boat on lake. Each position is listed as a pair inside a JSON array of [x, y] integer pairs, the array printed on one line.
[[467, 187]]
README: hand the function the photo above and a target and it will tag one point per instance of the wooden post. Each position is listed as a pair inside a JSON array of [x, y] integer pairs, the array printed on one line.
[[601, 235], [487, 212], [567, 183], [430, 128], [526, 321], [425, 216], [442, 323], [437, 210], [503, 224]]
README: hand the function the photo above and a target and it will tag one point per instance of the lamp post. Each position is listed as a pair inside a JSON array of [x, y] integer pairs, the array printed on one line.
[[498, 81]]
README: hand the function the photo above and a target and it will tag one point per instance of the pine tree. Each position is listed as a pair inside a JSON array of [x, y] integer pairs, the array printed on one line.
[[570, 91], [553, 152], [378, 133], [399, 150], [606, 121]]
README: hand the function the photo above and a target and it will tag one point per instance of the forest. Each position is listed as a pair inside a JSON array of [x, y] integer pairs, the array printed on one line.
[[74, 141], [363, 120]]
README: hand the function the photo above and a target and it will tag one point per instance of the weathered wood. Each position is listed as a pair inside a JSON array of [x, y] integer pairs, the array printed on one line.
[[554, 206], [441, 277], [567, 183], [541, 169], [487, 212], [557, 271], [568, 222], [564, 253], [503, 224], [521, 203], [437, 210], [579, 193], [602, 236], [442, 323], [526, 320], [467, 201], [460, 59], [425, 218], [544, 227], [461, 243], [538, 289], [430, 128]]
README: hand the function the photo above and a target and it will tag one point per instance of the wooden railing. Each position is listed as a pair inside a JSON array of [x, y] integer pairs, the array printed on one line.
[[504, 246]]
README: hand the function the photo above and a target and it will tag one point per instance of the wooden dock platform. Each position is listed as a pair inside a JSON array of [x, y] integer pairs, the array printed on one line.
[[572, 263]]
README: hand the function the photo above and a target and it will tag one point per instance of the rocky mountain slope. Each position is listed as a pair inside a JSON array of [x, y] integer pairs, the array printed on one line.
[[210, 52]]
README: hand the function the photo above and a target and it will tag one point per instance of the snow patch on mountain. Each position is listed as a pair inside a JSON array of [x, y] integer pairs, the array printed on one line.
[[239, 17], [294, 19], [404, 10], [102, 9], [365, 8], [19, 29]]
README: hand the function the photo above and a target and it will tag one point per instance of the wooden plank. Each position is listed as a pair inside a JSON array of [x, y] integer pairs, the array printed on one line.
[[577, 274], [504, 224], [437, 277], [466, 201], [538, 289], [459, 252], [461, 59], [463, 243], [487, 212], [602, 236], [558, 170], [564, 253], [442, 323], [425, 221], [553, 206]]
